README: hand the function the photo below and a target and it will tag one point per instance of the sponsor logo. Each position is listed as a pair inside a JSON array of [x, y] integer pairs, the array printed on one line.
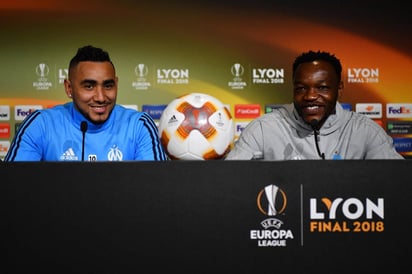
[[5, 130], [399, 127], [399, 110], [239, 127], [369, 109], [69, 155], [22, 111], [248, 111], [173, 120], [4, 147], [155, 111], [4, 113], [271, 107], [403, 145]]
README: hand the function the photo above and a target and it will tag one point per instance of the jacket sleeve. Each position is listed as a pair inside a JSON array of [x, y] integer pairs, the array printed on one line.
[[28, 140], [149, 146], [379, 145], [248, 143]]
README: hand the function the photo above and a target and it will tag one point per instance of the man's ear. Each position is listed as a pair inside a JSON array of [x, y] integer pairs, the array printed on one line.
[[68, 88], [340, 89]]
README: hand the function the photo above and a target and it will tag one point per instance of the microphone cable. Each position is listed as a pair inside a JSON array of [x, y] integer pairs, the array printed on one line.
[[314, 125], [83, 128]]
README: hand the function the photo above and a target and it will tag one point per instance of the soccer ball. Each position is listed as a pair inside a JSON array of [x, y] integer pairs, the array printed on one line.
[[196, 126]]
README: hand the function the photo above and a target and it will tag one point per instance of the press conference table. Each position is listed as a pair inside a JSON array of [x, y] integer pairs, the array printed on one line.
[[206, 216]]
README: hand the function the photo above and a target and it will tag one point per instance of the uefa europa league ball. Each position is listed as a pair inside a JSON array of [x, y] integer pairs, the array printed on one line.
[[196, 126]]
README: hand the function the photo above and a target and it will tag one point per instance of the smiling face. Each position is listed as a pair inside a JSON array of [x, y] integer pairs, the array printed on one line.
[[93, 88], [316, 88]]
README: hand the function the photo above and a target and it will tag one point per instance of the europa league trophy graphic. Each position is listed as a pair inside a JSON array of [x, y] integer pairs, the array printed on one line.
[[237, 70], [140, 68], [271, 192], [42, 66], [41, 70]]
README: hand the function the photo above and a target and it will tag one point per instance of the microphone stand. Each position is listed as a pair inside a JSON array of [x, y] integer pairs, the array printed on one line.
[[83, 128], [314, 125]]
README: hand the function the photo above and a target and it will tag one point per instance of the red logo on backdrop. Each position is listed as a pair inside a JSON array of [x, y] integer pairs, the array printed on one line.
[[247, 111], [4, 130], [379, 122]]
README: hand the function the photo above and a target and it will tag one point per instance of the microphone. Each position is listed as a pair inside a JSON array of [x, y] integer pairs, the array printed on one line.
[[83, 128], [314, 124]]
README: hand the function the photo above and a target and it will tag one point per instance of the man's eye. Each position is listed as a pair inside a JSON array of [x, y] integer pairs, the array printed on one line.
[[323, 88]]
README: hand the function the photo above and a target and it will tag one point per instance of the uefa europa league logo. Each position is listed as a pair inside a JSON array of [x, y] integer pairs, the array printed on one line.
[[237, 70], [141, 70], [275, 199], [42, 70]]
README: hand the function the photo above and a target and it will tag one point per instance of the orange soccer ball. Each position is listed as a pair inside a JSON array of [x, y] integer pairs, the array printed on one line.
[[196, 126]]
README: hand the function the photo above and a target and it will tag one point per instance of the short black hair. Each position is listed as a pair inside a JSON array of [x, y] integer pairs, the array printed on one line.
[[89, 53], [311, 56]]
